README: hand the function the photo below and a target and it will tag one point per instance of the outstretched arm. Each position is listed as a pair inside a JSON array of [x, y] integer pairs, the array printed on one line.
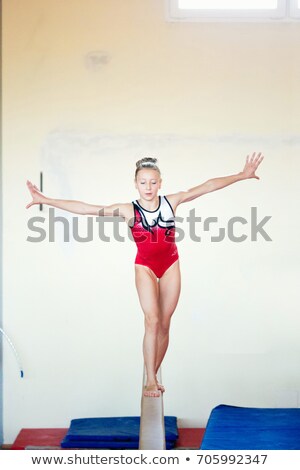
[[77, 207], [218, 183]]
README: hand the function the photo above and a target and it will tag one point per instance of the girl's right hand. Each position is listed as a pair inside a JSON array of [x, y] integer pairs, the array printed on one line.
[[37, 196]]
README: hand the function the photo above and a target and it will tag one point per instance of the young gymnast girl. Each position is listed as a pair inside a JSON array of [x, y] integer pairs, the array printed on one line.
[[151, 219]]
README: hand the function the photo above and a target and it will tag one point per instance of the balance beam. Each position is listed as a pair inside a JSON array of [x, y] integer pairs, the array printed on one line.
[[152, 423]]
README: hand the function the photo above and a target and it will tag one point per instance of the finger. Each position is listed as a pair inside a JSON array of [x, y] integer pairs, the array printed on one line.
[[259, 160], [258, 156], [30, 185]]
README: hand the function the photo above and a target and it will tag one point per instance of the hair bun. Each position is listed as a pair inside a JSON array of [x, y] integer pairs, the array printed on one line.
[[146, 161]]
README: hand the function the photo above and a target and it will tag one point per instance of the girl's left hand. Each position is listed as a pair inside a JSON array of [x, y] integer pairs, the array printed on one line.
[[251, 165]]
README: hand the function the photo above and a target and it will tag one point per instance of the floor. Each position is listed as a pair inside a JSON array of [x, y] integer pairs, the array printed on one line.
[[189, 438]]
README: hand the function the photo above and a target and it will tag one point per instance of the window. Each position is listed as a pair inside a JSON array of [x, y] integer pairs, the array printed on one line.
[[228, 4], [295, 8], [233, 10]]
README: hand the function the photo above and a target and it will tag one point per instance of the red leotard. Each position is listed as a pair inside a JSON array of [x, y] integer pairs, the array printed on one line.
[[154, 234]]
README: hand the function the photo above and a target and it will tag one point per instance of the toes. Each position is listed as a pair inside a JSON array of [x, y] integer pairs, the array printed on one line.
[[151, 391], [152, 394]]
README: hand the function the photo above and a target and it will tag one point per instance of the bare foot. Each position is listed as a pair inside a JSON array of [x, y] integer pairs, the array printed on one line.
[[152, 391], [160, 387]]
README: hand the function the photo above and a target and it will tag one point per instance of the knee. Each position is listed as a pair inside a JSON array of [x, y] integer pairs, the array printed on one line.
[[152, 322], [164, 327]]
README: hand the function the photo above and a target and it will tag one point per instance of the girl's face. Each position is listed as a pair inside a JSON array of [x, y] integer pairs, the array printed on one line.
[[148, 182]]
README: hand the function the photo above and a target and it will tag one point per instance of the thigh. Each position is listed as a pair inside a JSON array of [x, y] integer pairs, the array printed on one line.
[[148, 290], [169, 290]]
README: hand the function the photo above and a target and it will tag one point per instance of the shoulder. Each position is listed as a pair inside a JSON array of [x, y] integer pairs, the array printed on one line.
[[127, 211], [174, 200]]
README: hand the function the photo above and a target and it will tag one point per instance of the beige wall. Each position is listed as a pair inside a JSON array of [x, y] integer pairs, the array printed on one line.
[[200, 97]]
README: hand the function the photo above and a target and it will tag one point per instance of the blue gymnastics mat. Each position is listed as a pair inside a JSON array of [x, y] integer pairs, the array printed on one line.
[[112, 433], [237, 428]]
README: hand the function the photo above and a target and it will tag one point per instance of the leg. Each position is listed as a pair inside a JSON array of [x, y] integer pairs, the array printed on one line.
[[148, 292], [169, 291]]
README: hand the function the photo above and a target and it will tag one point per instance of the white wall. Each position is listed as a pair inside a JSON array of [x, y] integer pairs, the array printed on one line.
[[200, 97]]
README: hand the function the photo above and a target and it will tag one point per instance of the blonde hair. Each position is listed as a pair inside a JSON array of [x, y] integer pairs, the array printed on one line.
[[147, 162]]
